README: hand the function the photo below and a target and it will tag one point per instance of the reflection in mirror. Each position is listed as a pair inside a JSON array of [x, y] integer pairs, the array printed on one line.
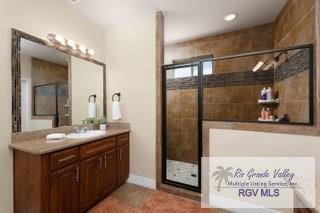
[[55, 87], [86, 80], [44, 87]]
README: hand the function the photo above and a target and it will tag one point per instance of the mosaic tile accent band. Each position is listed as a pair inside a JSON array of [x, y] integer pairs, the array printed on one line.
[[299, 62]]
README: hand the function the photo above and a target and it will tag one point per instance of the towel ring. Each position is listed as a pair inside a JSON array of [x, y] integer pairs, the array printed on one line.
[[94, 98], [116, 94]]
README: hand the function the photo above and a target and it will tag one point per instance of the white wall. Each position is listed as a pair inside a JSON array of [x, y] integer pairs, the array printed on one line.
[[86, 80], [130, 58], [25, 92], [37, 17], [235, 143]]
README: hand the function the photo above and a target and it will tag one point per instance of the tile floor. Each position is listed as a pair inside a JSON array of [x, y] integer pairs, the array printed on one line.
[[182, 172], [135, 199]]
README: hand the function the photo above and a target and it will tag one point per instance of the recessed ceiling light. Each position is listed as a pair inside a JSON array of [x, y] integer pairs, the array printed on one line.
[[230, 17]]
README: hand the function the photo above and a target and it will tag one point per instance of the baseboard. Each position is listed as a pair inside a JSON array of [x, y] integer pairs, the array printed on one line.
[[142, 181]]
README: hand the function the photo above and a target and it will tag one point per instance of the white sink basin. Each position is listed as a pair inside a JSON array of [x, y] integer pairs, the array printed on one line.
[[88, 134]]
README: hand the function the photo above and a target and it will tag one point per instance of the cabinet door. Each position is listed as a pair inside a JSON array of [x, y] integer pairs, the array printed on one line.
[[64, 190], [122, 163], [90, 171], [108, 175]]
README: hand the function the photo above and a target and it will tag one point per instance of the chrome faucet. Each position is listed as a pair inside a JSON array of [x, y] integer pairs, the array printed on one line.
[[81, 129]]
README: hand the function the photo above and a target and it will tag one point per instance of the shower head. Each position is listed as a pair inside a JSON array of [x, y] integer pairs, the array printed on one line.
[[275, 61], [270, 65]]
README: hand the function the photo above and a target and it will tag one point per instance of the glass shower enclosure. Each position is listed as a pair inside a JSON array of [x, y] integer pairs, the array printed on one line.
[[264, 87], [182, 123], [52, 100]]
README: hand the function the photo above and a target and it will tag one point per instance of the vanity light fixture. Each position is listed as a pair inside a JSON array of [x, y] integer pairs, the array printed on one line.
[[71, 44], [59, 40], [258, 66], [231, 17]]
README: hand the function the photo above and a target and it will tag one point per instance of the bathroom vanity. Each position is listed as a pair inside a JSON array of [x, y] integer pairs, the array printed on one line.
[[51, 94], [69, 176]]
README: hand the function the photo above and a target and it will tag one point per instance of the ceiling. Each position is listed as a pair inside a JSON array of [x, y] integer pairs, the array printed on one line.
[[39, 51], [184, 19]]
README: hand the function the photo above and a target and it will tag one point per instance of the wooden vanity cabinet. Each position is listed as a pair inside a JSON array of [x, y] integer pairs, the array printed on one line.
[[97, 178], [71, 180], [64, 190], [90, 177], [109, 173], [122, 158], [122, 164]]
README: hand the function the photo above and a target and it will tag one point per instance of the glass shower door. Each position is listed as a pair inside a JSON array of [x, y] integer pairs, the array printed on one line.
[[52, 100], [182, 125]]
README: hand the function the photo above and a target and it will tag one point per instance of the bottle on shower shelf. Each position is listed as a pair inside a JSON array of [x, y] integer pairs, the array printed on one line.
[[267, 114], [269, 94], [263, 94], [263, 114]]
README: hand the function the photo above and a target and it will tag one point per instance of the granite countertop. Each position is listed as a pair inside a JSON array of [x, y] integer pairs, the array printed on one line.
[[39, 145]]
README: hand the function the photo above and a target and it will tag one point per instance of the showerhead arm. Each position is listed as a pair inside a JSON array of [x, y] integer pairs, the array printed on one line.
[[275, 61], [277, 58]]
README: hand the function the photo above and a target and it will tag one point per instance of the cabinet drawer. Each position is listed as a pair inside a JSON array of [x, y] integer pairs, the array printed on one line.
[[64, 158], [122, 139], [95, 148]]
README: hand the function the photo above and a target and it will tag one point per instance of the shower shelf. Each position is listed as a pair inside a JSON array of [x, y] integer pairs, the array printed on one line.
[[275, 101], [270, 121]]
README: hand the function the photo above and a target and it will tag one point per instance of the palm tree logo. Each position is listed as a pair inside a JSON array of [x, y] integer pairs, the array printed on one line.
[[222, 174]]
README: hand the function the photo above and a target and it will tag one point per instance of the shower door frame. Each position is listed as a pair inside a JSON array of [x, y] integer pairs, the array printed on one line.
[[199, 64], [56, 115]]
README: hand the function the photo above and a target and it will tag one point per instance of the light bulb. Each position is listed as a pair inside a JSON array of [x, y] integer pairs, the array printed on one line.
[[60, 39], [82, 48], [71, 44], [91, 52]]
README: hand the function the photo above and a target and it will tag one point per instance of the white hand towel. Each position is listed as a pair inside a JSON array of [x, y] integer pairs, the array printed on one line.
[[92, 111], [116, 112], [56, 136]]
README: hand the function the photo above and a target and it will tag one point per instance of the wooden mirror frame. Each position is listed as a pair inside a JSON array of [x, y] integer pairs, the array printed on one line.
[[16, 36]]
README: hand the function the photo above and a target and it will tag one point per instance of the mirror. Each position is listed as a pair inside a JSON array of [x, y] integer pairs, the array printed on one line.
[[55, 85]]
